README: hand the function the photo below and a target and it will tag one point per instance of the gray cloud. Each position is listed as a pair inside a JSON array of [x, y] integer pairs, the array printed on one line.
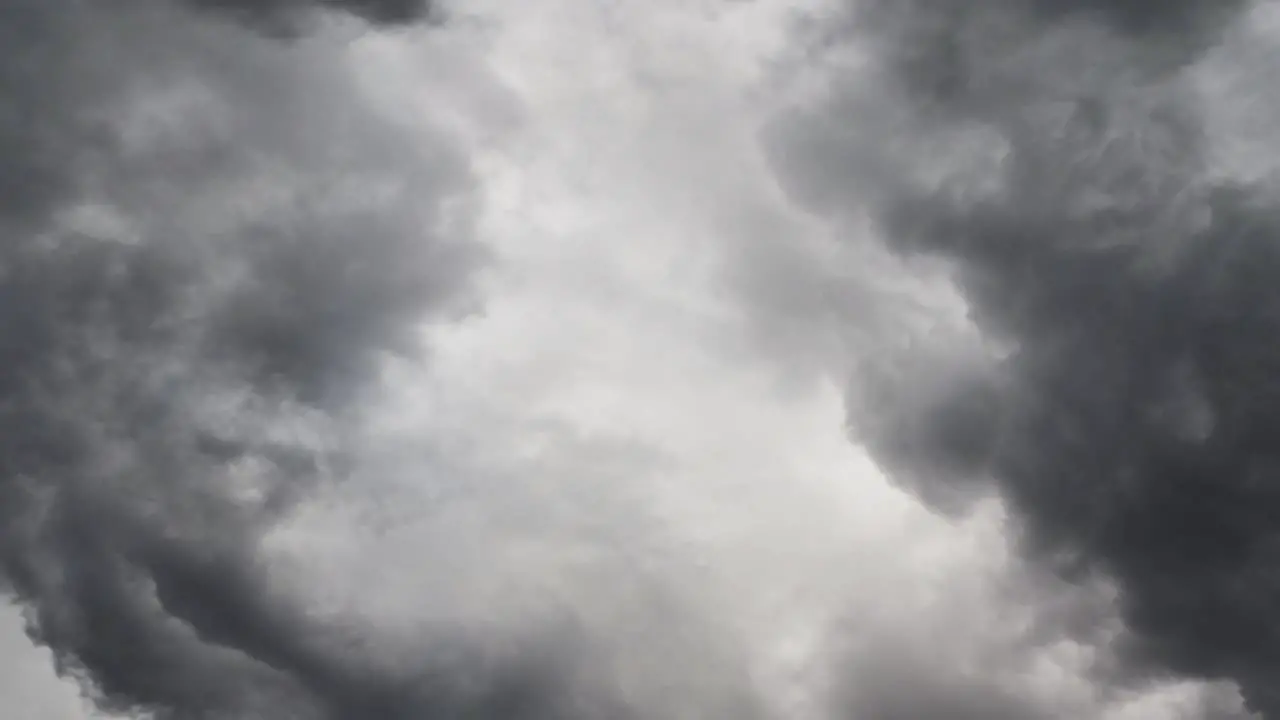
[[290, 16], [985, 636], [209, 242], [1058, 157], [910, 688]]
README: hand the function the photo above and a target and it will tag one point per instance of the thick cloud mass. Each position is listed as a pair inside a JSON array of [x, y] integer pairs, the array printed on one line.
[[207, 241], [1130, 416], [284, 16]]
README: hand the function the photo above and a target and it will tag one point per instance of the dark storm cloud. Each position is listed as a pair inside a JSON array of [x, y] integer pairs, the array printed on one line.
[[379, 10], [207, 243], [1130, 412], [1184, 18], [285, 16]]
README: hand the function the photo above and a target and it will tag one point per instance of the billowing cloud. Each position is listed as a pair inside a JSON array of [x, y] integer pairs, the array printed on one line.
[[231, 490], [1113, 381], [288, 16], [210, 241]]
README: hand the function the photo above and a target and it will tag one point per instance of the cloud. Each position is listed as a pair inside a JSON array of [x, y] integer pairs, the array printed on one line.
[[901, 688], [962, 628], [288, 16], [211, 243], [1112, 380], [231, 491]]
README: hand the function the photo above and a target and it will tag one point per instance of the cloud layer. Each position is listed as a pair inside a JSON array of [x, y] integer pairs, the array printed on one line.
[[209, 242], [288, 16], [1057, 159], [232, 489]]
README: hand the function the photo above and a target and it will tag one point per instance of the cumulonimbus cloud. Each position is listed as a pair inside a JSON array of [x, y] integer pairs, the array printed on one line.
[[285, 16], [1057, 156], [208, 241]]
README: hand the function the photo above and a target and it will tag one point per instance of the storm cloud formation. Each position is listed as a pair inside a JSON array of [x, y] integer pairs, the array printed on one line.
[[1058, 157], [289, 16], [208, 241]]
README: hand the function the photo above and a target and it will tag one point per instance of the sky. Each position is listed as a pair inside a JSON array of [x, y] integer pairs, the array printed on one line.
[[698, 359]]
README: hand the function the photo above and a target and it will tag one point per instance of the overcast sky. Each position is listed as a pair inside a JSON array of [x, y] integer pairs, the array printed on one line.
[[637, 468]]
